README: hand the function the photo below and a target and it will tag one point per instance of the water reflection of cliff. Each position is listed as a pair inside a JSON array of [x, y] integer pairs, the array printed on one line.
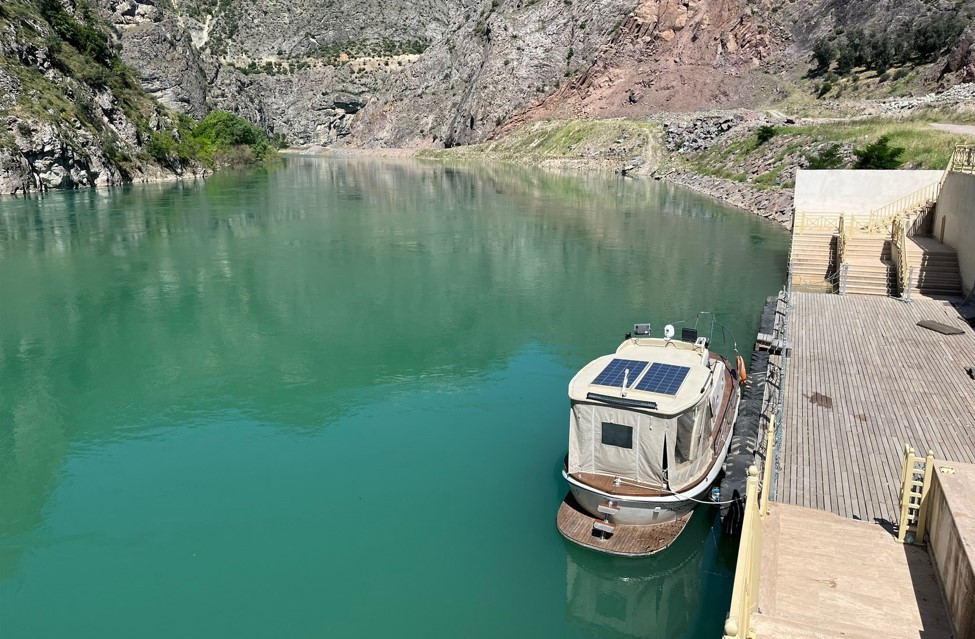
[[283, 293], [658, 597]]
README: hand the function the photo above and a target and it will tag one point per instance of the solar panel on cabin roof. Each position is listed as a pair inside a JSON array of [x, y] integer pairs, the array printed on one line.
[[665, 379], [612, 375]]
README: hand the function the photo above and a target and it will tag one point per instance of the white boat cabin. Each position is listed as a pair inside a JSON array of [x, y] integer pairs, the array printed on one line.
[[646, 414]]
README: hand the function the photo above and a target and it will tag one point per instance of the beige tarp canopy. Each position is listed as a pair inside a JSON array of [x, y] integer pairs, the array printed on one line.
[[629, 442]]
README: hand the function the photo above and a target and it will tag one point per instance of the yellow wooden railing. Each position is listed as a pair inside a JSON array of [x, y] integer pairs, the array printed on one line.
[[898, 252], [748, 570], [962, 159], [874, 222], [879, 219], [915, 482], [816, 223]]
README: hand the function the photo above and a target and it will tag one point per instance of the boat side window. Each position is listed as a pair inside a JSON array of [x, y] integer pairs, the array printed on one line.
[[684, 441], [617, 435]]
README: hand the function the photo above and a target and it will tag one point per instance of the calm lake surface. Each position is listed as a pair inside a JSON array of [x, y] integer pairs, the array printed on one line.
[[328, 399]]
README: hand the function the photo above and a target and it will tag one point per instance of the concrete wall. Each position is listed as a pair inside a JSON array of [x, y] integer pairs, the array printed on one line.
[[857, 192], [956, 210], [951, 541]]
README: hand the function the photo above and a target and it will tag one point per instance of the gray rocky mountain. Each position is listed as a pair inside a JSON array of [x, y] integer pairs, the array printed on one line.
[[430, 73]]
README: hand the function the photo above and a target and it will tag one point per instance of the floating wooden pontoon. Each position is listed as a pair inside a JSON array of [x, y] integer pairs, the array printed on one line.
[[583, 529]]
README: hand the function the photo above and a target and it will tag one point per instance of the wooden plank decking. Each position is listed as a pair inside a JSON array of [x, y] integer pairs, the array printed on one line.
[[863, 380], [824, 576], [628, 541]]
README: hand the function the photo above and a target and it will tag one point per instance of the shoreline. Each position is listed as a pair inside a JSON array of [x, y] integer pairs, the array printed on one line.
[[773, 205]]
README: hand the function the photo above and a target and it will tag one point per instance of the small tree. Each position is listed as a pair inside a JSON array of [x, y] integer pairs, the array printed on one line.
[[764, 134], [823, 53], [879, 155]]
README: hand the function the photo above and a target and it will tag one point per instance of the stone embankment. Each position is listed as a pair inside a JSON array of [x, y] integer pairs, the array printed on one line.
[[770, 204]]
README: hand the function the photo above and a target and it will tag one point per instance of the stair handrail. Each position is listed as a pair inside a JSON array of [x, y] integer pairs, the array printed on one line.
[[898, 244], [879, 219], [962, 160], [845, 230]]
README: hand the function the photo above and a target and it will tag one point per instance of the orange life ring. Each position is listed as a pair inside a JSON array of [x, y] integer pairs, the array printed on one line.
[[742, 373]]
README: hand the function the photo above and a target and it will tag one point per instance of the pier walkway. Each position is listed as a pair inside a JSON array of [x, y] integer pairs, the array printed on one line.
[[826, 576], [862, 381]]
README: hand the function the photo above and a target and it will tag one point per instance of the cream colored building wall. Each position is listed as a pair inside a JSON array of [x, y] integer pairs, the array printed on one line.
[[951, 541], [955, 216], [856, 192]]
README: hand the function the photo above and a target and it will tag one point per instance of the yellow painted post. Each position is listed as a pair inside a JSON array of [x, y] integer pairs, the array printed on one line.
[[922, 517], [755, 551], [748, 569], [764, 510]]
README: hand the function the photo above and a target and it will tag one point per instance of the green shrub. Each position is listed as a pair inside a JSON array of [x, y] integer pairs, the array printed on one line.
[[878, 155], [764, 134], [827, 158], [222, 137], [86, 38]]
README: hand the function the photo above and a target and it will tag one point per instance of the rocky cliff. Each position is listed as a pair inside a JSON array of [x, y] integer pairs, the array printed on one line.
[[71, 115], [425, 73], [431, 73]]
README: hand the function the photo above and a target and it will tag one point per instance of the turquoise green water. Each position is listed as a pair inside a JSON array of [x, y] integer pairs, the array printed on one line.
[[328, 399]]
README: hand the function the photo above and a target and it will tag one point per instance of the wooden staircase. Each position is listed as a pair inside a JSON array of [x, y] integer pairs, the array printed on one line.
[[870, 270], [812, 259], [935, 267]]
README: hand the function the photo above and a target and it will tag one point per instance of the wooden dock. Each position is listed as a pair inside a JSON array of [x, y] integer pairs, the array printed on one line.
[[627, 541], [824, 576], [862, 381]]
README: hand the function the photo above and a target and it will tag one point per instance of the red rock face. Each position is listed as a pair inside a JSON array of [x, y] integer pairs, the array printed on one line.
[[673, 55]]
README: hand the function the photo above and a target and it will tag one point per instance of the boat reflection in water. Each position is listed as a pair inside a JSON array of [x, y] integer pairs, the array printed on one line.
[[682, 593]]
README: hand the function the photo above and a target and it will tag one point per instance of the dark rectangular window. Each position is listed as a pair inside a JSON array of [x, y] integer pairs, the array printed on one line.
[[617, 435]]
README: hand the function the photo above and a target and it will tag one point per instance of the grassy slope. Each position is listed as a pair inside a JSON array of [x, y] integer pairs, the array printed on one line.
[[606, 141], [772, 164]]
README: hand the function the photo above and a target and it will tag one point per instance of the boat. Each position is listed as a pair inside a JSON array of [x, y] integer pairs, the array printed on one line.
[[649, 430]]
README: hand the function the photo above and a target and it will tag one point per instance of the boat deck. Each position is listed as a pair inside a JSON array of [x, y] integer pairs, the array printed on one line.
[[606, 483], [628, 541], [862, 381]]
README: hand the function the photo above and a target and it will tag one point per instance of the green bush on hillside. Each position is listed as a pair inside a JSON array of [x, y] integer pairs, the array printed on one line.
[[86, 37], [827, 158], [764, 133], [919, 41], [878, 155], [225, 137], [220, 139]]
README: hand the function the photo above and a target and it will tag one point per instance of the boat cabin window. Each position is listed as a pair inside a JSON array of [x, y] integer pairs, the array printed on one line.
[[617, 435], [684, 443]]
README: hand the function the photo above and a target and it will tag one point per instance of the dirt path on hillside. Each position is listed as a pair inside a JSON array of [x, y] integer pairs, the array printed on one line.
[[963, 129]]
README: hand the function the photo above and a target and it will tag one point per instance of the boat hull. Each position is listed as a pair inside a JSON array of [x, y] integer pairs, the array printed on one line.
[[643, 512]]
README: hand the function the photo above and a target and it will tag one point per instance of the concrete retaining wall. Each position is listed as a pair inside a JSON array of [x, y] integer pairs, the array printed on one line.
[[856, 192], [951, 541], [956, 212]]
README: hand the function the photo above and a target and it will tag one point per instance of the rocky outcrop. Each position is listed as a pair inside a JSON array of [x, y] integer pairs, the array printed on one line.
[[302, 70], [68, 120], [674, 55], [493, 63]]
